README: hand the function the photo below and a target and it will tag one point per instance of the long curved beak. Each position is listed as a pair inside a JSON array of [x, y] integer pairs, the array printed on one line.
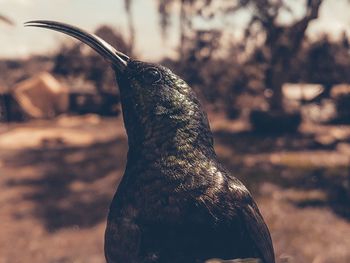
[[115, 57]]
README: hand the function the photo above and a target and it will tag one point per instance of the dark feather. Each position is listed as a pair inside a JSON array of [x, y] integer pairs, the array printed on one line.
[[258, 232]]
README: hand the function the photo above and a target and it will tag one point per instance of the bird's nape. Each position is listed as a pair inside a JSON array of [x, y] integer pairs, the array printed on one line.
[[118, 59]]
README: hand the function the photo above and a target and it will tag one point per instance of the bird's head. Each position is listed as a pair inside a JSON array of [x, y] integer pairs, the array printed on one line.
[[157, 105]]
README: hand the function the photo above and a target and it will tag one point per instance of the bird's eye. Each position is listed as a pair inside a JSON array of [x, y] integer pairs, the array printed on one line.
[[151, 75]]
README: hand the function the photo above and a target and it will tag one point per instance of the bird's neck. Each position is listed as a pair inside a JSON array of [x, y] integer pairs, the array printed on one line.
[[183, 149], [166, 137], [181, 166]]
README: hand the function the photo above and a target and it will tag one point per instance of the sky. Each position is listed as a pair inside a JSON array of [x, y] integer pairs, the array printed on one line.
[[89, 14]]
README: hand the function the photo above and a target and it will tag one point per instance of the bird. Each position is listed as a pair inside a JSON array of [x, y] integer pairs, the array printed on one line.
[[175, 202]]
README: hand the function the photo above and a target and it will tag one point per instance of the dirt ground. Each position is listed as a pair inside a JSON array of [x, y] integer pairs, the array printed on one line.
[[58, 177]]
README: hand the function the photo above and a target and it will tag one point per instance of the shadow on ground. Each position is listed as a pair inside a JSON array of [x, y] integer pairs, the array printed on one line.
[[72, 187], [250, 157]]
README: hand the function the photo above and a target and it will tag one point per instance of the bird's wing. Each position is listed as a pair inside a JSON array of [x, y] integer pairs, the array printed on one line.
[[258, 231]]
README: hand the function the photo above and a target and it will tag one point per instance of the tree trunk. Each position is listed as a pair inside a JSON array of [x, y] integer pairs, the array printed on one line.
[[131, 25], [283, 44]]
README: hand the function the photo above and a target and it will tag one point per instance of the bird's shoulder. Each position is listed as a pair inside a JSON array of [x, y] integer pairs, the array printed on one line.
[[232, 204], [225, 188]]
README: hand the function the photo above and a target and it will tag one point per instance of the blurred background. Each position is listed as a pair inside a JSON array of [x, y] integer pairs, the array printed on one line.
[[273, 75]]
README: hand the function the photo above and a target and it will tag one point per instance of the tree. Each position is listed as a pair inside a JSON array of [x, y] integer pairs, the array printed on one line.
[[281, 42], [328, 63], [270, 46], [131, 26], [70, 61]]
